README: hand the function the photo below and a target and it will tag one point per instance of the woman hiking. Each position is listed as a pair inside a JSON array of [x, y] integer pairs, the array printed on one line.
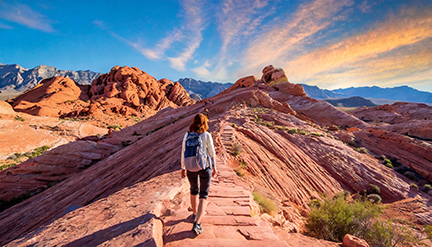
[[198, 158]]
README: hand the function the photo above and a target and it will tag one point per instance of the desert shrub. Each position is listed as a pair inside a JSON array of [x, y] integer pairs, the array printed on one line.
[[413, 186], [267, 205], [363, 150], [3, 167], [388, 234], [428, 230], [18, 118], [38, 151], [410, 175], [293, 131], [279, 127], [234, 125], [268, 124], [374, 198], [333, 218], [236, 149], [135, 119], [239, 171], [7, 204], [316, 134], [373, 189], [119, 126], [388, 164], [427, 187], [243, 164], [302, 132]]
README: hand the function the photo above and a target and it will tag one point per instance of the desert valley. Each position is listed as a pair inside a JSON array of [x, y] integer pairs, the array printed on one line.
[[99, 164]]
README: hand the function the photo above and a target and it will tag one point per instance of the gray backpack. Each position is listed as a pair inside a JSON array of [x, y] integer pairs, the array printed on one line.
[[195, 157]]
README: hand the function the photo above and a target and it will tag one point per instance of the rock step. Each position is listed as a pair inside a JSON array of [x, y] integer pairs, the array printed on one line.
[[218, 242], [229, 202], [236, 210]]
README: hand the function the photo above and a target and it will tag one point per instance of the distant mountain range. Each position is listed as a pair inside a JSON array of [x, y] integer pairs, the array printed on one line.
[[402, 93], [355, 101], [16, 78], [201, 89]]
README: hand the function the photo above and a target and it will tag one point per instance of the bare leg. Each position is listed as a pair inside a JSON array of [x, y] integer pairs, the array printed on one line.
[[194, 203], [201, 210]]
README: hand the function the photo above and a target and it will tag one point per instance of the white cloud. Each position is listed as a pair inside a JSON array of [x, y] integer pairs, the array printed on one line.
[[24, 15], [290, 36], [4, 26], [194, 25]]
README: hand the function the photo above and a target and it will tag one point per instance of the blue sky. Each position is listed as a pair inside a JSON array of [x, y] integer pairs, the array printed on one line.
[[329, 43]]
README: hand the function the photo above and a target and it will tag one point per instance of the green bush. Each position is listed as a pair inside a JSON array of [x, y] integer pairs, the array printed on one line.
[[410, 175], [316, 134], [119, 126], [267, 205], [293, 131], [374, 198], [239, 171], [427, 187], [373, 189], [388, 234], [428, 230], [363, 150], [236, 149], [18, 118], [3, 167], [302, 132], [333, 218], [234, 125], [413, 186], [388, 163]]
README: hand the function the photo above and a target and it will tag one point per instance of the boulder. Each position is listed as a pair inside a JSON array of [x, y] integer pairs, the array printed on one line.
[[352, 241], [291, 88], [272, 76]]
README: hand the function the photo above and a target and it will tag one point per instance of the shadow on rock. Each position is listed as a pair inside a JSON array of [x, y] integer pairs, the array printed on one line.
[[102, 236]]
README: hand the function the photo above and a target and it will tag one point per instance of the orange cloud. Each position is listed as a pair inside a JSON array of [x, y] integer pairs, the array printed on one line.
[[372, 56]]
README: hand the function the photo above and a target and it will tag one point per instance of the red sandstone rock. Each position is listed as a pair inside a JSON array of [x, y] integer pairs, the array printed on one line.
[[352, 241], [290, 88], [272, 76], [124, 92]]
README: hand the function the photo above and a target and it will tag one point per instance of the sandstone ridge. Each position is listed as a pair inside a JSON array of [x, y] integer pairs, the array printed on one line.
[[293, 149]]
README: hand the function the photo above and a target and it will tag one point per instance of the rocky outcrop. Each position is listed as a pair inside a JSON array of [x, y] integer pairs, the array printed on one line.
[[272, 76], [124, 92], [51, 97]]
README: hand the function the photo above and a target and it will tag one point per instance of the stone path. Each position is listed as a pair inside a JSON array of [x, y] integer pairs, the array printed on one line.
[[228, 220]]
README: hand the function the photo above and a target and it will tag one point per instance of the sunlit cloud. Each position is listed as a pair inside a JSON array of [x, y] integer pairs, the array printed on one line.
[[194, 25], [24, 15], [159, 50], [286, 37], [388, 51], [237, 21]]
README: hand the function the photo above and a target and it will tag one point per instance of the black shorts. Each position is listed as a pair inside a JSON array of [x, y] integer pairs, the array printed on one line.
[[204, 182]]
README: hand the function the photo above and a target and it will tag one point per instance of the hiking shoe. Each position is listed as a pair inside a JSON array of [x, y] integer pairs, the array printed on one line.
[[197, 228]]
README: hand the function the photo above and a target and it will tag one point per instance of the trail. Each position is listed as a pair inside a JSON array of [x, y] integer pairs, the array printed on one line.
[[228, 220]]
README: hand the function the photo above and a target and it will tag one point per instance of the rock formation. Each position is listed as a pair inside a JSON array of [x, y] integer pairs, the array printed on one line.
[[124, 92], [292, 151], [272, 76]]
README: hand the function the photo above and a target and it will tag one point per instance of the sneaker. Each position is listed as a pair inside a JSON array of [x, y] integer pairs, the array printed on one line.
[[197, 228]]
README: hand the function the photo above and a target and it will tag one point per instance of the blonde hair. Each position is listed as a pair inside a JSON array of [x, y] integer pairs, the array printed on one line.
[[199, 124]]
